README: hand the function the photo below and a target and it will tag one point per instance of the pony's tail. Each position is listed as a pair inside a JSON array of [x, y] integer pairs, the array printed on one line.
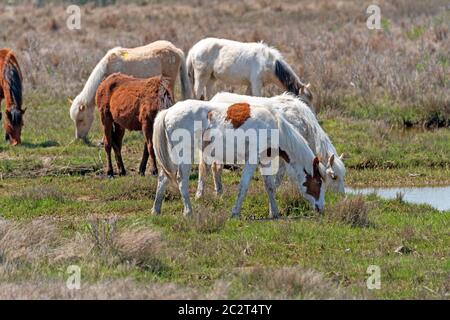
[[190, 70], [293, 143], [186, 90], [161, 147], [13, 76]]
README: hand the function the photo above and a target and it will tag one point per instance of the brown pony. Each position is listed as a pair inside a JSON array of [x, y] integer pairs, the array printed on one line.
[[11, 91], [131, 103]]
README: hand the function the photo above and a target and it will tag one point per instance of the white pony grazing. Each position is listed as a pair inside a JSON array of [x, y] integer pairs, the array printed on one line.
[[157, 58], [238, 63], [218, 120], [300, 116]]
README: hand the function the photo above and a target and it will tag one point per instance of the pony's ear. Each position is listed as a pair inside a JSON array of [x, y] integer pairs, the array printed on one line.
[[341, 156], [331, 160], [69, 100], [322, 170]]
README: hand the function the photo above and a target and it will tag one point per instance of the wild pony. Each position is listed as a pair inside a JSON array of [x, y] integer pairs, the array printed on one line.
[[238, 63], [175, 128], [11, 91], [130, 103], [156, 58], [300, 116]]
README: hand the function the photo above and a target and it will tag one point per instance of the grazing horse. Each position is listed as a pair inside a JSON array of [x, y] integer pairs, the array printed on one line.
[[238, 63], [156, 58], [130, 103], [11, 91], [192, 118], [300, 116]]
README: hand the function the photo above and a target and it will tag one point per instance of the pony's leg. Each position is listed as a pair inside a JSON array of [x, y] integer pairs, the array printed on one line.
[[117, 136], [280, 173], [269, 185], [199, 86], [247, 174], [107, 141], [256, 85], [183, 184], [202, 174], [160, 190], [217, 177], [144, 160], [210, 85], [147, 128]]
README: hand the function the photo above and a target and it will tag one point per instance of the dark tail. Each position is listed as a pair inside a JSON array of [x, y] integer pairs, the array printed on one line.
[[14, 78], [287, 77]]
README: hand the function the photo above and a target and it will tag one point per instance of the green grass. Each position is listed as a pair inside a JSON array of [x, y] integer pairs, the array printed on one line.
[[54, 178]]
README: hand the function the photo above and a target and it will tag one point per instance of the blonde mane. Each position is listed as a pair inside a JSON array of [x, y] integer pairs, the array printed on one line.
[[87, 95]]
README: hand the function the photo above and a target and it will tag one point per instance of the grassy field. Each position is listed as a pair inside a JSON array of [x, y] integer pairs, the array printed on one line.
[[57, 208]]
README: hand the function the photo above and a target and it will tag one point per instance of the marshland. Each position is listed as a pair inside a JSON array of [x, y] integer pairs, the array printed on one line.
[[383, 97]]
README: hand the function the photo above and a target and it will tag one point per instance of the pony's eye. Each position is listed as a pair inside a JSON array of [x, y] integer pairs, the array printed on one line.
[[334, 177]]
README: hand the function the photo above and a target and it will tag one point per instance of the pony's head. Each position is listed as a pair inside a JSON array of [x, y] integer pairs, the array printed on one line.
[[315, 188], [13, 125], [334, 174], [81, 116], [305, 93]]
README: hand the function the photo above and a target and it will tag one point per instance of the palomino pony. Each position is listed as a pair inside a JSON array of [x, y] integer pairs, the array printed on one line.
[[129, 103], [156, 58], [238, 63], [11, 91], [300, 116], [192, 118]]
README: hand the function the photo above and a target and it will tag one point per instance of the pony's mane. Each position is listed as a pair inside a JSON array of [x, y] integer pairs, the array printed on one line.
[[287, 76], [13, 77], [87, 95]]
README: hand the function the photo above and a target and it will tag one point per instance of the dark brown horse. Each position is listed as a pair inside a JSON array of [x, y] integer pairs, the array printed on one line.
[[130, 103], [11, 91]]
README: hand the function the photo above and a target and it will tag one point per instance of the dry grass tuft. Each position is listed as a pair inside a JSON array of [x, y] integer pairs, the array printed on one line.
[[26, 242], [353, 211], [291, 282], [204, 220], [140, 246], [114, 289], [37, 193]]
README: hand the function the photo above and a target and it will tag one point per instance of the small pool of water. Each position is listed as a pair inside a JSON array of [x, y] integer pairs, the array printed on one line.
[[437, 197]]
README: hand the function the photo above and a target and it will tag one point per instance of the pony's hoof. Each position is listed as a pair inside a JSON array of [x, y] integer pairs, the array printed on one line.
[[155, 172], [124, 173], [110, 175], [142, 173], [155, 213]]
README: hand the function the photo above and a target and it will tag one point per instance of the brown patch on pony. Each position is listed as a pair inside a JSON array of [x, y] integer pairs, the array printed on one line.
[[313, 183], [281, 153], [238, 113], [210, 115]]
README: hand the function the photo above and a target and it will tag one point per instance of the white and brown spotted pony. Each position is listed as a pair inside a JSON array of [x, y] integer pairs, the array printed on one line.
[[300, 116], [252, 64], [177, 129]]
